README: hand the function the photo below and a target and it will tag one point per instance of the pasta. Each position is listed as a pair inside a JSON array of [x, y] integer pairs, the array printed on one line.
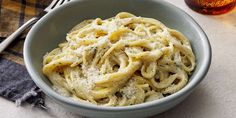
[[120, 61]]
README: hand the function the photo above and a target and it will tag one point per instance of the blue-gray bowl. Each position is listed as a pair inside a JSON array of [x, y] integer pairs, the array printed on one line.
[[49, 31]]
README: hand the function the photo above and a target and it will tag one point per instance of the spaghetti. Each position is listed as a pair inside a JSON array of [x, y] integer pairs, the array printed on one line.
[[120, 61]]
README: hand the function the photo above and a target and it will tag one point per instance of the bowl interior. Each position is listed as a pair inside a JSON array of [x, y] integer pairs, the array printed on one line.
[[52, 29]]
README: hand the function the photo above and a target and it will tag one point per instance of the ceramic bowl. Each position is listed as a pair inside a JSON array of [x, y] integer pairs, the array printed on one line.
[[49, 31]]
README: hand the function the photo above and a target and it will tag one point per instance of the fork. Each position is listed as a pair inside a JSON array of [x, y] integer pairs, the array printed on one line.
[[54, 4]]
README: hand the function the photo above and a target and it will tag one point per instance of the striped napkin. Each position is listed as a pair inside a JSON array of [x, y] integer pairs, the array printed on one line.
[[15, 82]]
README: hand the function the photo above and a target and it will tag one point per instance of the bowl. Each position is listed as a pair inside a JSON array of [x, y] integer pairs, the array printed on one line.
[[49, 31]]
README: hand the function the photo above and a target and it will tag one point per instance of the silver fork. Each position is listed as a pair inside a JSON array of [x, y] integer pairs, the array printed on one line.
[[54, 4]]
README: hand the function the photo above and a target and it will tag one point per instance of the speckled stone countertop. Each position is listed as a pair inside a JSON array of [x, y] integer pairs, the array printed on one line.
[[215, 97]]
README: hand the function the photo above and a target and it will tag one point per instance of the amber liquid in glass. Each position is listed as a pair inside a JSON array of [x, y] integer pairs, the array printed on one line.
[[211, 7]]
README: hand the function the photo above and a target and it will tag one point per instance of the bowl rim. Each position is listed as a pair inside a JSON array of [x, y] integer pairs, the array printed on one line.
[[51, 93]]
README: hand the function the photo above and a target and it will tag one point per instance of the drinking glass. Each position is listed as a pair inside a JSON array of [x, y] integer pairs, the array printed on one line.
[[211, 7]]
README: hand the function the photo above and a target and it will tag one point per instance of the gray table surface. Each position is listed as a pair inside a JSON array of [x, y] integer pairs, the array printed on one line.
[[215, 97]]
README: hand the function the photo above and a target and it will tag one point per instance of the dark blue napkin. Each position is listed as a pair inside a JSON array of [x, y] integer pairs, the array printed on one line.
[[15, 82]]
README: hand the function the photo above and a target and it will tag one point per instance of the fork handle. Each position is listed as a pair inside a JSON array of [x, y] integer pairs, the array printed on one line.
[[15, 34]]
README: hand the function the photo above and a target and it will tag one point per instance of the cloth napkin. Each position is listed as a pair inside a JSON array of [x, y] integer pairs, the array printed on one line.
[[15, 82]]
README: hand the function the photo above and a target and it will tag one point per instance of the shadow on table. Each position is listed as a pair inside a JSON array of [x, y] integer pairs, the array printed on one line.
[[228, 19]]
